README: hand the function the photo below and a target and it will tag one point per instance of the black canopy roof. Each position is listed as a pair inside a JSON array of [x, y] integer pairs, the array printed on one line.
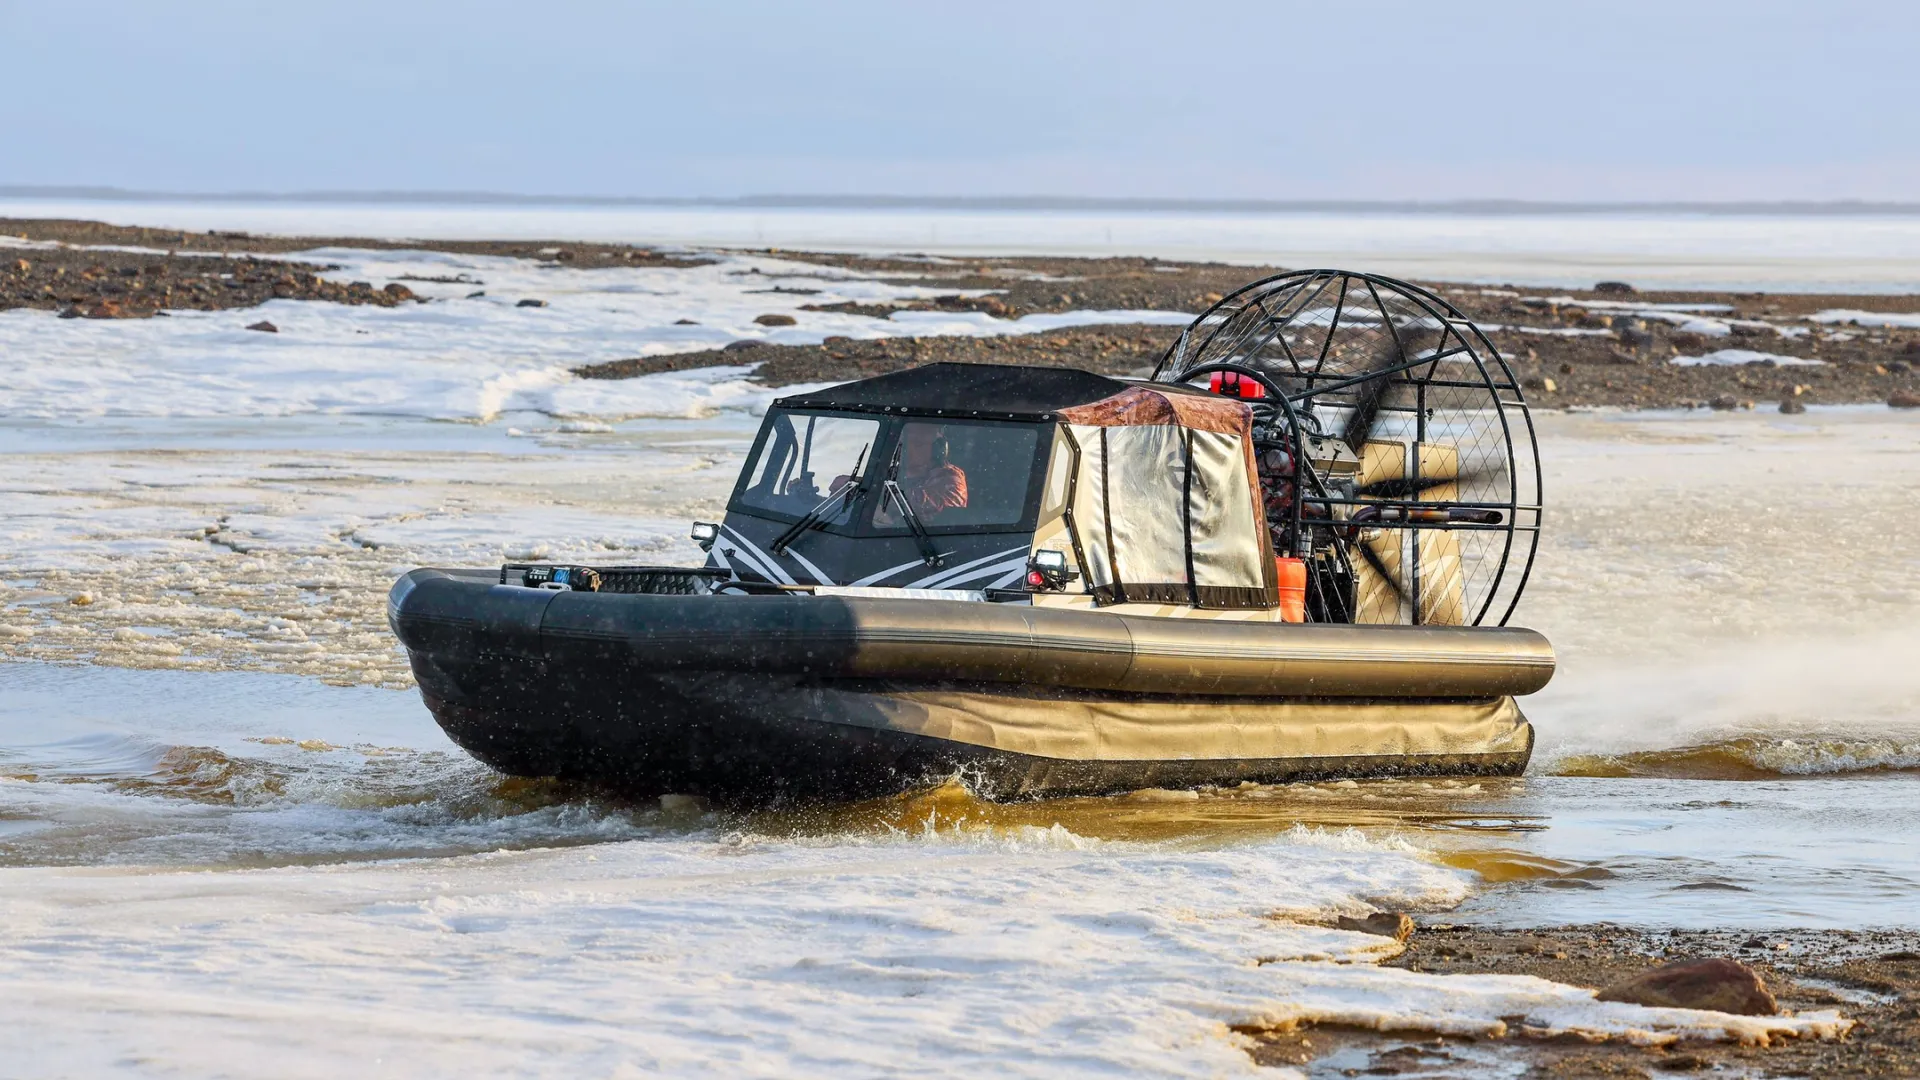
[[994, 390]]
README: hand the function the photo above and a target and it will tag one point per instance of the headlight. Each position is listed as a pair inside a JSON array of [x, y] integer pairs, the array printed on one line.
[[1047, 571]]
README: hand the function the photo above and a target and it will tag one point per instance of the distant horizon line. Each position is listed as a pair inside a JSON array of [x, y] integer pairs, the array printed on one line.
[[1744, 207]]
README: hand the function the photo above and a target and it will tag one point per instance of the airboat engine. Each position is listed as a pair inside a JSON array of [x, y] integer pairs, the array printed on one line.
[[1394, 447]]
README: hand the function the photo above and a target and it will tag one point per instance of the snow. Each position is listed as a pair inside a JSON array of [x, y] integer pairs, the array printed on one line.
[[1734, 357], [1908, 320], [1026, 952], [1777, 253], [1638, 307], [467, 358], [1692, 318], [1546, 331]]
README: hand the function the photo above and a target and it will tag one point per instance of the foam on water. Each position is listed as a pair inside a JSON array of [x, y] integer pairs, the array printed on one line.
[[1028, 953], [677, 943], [204, 556], [105, 767], [683, 957], [1706, 580], [1751, 758]]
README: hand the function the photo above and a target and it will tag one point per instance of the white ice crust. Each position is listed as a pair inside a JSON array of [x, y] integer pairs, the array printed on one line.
[[1909, 319], [1736, 357], [1030, 953], [461, 358]]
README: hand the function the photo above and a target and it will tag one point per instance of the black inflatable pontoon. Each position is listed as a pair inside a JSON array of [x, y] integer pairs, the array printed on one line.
[[1043, 581]]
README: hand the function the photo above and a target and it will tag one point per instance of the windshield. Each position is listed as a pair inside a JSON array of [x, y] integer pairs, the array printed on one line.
[[806, 457], [959, 474]]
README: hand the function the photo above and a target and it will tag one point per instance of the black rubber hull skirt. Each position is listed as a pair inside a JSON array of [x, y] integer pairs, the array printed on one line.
[[757, 700]]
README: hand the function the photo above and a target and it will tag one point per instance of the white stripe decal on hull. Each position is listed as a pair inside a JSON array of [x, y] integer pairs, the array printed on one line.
[[964, 570], [762, 563], [1013, 568], [1016, 574], [874, 579], [810, 568]]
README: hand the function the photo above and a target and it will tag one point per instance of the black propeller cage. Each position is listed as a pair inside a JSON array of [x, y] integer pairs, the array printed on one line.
[[1369, 359]]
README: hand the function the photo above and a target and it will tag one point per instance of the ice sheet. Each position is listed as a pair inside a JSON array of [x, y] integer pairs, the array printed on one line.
[[1868, 318], [461, 357], [1030, 953], [1805, 253], [1735, 357], [279, 559]]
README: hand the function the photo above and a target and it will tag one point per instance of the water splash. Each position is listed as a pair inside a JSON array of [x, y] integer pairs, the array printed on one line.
[[1752, 758]]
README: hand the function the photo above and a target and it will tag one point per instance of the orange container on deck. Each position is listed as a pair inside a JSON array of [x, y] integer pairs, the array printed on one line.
[[1293, 588]]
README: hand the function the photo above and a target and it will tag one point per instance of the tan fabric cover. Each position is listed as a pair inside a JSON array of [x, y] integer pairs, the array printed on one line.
[[1138, 406], [1134, 730], [1136, 516], [1146, 488], [1090, 508], [1224, 518]]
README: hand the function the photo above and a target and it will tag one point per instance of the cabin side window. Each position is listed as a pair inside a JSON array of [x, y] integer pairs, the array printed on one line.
[[807, 457], [958, 474]]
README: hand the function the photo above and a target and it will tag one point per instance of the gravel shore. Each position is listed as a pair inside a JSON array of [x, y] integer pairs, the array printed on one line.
[[1597, 347], [1872, 977], [1569, 349], [94, 284]]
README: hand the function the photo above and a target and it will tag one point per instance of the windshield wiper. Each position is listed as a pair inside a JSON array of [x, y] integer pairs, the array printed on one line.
[[928, 553], [817, 517]]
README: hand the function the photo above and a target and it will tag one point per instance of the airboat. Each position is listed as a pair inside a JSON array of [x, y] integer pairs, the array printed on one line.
[[1290, 552]]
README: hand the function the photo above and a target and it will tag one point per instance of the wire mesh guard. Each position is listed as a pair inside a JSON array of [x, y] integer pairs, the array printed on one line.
[[1395, 449]]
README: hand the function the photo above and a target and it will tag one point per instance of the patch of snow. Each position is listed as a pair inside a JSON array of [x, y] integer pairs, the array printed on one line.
[[1907, 320], [1547, 331], [1636, 306], [1735, 357], [463, 357], [1025, 952]]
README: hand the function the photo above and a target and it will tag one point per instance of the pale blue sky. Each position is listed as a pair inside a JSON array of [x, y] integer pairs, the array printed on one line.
[[1620, 100]]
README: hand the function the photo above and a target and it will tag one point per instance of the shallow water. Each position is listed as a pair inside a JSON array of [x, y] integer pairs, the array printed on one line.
[[225, 819], [232, 769]]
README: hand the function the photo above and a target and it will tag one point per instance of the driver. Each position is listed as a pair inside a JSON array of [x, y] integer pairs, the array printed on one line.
[[932, 483]]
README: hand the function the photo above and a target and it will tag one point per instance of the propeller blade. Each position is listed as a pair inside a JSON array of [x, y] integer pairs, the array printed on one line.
[[1373, 560], [1366, 409], [1406, 487], [1367, 395]]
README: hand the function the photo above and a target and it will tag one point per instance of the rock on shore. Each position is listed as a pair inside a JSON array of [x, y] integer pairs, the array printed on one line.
[[1719, 984]]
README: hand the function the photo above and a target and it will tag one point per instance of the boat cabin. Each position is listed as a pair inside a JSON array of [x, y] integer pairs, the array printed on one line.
[[1009, 484]]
